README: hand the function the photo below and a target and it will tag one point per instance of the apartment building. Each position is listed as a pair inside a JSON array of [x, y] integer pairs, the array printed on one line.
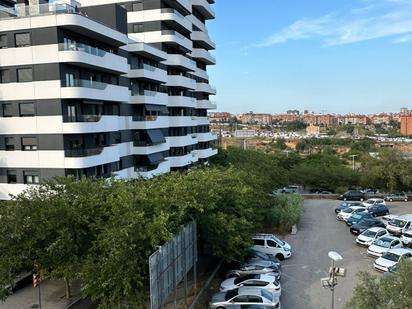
[[103, 88]]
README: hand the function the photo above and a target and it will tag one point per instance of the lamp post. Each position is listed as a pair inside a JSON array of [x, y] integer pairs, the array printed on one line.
[[331, 281], [353, 161]]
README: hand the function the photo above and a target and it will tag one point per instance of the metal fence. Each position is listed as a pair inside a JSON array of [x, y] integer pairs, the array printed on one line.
[[170, 264]]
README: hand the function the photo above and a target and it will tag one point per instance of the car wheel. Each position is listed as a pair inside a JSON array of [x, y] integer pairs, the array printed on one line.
[[391, 200], [374, 215], [406, 200], [361, 199], [345, 199], [280, 257]]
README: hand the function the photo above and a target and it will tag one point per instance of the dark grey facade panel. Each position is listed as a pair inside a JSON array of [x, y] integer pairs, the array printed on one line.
[[43, 173], [112, 15]]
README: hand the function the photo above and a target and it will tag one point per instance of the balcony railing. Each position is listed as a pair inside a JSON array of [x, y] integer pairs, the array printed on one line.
[[74, 46], [173, 32], [145, 118], [85, 83], [81, 152], [149, 93], [84, 118], [36, 10], [170, 10], [143, 66]]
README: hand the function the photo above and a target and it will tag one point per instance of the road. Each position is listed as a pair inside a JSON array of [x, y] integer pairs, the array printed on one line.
[[319, 233]]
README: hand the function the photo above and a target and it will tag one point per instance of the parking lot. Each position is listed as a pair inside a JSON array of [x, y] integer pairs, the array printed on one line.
[[318, 233]]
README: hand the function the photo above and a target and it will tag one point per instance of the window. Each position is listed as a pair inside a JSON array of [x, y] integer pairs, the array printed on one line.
[[25, 75], [26, 109], [28, 143], [9, 143], [138, 28], [3, 41], [31, 177], [271, 243], [4, 76], [259, 242], [137, 6], [22, 39], [11, 176], [7, 110]]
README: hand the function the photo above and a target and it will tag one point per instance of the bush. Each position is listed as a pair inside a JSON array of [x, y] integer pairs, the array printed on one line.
[[286, 212]]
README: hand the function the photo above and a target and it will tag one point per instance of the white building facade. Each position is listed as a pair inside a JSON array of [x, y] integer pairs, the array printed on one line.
[[103, 88]]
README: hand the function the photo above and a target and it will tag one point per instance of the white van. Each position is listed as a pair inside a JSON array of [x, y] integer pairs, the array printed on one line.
[[400, 224], [271, 245]]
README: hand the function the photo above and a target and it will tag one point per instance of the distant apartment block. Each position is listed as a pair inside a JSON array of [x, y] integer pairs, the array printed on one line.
[[251, 118], [103, 88], [406, 122]]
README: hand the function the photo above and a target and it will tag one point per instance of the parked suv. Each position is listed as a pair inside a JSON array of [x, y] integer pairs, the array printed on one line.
[[400, 224], [353, 196], [397, 196], [270, 244]]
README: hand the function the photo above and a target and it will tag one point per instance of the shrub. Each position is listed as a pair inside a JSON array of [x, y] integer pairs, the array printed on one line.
[[286, 212]]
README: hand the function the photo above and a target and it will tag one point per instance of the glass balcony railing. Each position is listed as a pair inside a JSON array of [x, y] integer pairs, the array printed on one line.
[[81, 152], [149, 93], [173, 32], [145, 118], [84, 118], [170, 10], [74, 46], [85, 83], [143, 66], [36, 10]]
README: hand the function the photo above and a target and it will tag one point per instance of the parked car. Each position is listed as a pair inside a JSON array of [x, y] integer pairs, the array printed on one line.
[[345, 205], [391, 258], [406, 238], [253, 281], [346, 213], [365, 224], [353, 196], [253, 256], [244, 296], [20, 281], [253, 307], [373, 201], [383, 244], [370, 235], [271, 245], [400, 224], [357, 217], [249, 269], [372, 192], [291, 189], [378, 210], [388, 218], [397, 196]]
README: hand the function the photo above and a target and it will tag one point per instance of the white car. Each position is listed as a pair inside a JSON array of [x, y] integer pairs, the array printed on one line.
[[383, 245], [370, 235], [391, 258], [406, 238], [346, 213], [374, 201], [253, 281], [244, 296], [271, 245], [399, 224], [251, 269]]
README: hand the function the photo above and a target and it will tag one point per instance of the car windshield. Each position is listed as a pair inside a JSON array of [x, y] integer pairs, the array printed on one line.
[[397, 222], [366, 222], [266, 294], [383, 242], [368, 233], [244, 278], [230, 294], [391, 256], [356, 216], [370, 201], [347, 210]]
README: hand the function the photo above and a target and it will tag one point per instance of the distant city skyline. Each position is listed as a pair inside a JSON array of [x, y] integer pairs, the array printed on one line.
[[339, 56]]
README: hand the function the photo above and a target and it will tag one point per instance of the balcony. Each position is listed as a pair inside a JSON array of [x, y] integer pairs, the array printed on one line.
[[182, 141], [205, 153], [206, 137], [181, 81], [149, 122], [81, 152], [167, 15], [205, 87], [181, 62], [203, 55], [148, 72], [149, 149], [80, 158], [91, 123], [170, 37], [181, 101], [203, 39], [149, 97], [89, 56], [182, 161], [162, 168], [182, 121], [88, 89], [206, 104], [202, 121], [203, 6]]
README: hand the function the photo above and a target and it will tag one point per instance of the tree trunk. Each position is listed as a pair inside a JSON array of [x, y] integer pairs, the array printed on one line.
[[68, 291]]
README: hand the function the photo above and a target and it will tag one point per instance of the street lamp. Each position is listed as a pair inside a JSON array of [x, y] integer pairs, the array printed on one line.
[[331, 281], [353, 160]]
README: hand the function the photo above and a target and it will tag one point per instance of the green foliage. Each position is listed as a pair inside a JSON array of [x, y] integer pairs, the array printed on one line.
[[387, 292], [286, 211]]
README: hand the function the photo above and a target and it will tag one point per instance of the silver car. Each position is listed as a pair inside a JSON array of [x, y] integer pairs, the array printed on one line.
[[244, 296], [251, 269]]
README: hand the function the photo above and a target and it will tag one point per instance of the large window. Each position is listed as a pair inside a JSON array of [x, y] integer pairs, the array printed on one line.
[[3, 41], [138, 28], [28, 143], [137, 6], [26, 109], [4, 76], [11, 176], [7, 110], [31, 177], [25, 75], [9, 143], [22, 39]]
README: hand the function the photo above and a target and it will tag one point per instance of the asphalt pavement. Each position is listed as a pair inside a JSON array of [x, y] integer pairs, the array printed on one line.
[[318, 233]]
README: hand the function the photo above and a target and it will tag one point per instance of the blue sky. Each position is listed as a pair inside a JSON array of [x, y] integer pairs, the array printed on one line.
[[334, 56]]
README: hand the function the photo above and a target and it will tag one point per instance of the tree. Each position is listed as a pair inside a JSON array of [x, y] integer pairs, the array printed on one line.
[[387, 292]]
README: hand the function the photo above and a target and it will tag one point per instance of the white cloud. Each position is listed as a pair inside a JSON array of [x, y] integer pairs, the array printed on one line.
[[403, 39], [376, 19]]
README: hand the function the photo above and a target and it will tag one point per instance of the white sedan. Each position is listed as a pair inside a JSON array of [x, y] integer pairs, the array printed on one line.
[[244, 296], [347, 212], [370, 235], [391, 258], [382, 245], [266, 282]]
